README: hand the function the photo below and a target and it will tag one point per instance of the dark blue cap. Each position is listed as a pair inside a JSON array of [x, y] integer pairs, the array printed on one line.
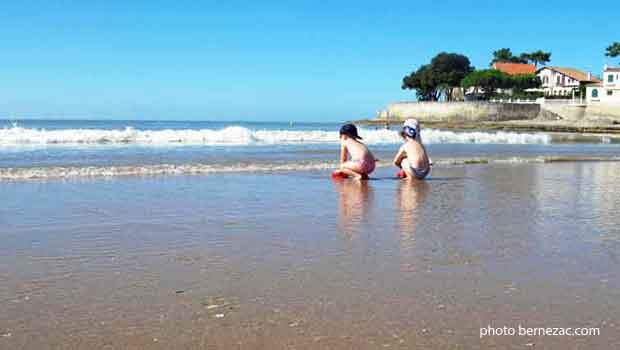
[[349, 130]]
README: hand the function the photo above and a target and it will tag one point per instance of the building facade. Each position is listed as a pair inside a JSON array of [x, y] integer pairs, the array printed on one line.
[[561, 81], [607, 91]]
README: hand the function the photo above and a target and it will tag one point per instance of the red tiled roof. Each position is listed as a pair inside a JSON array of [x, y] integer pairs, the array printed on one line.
[[515, 68]]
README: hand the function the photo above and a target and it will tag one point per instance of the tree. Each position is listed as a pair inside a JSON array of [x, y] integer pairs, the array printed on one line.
[[423, 83], [439, 78], [449, 69], [537, 57], [489, 80], [613, 50], [522, 82], [505, 55]]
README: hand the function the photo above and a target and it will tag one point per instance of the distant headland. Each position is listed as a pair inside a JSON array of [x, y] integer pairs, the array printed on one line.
[[513, 94]]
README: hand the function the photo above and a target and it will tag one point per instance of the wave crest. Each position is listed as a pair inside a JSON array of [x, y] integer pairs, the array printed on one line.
[[238, 135]]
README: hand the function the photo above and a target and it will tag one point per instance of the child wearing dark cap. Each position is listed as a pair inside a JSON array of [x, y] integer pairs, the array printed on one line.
[[361, 162]]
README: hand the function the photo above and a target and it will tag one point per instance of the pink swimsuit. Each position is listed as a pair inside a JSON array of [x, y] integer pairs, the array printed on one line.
[[366, 165]]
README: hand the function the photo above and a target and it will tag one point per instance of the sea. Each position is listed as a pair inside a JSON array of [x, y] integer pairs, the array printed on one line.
[[212, 235], [47, 149]]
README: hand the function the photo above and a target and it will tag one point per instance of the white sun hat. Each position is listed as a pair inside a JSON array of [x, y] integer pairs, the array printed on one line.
[[412, 123]]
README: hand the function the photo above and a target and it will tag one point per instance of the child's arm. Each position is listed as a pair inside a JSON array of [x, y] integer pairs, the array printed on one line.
[[344, 153], [400, 156]]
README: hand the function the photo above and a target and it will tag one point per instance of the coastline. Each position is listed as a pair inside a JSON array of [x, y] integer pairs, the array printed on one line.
[[534, 125]]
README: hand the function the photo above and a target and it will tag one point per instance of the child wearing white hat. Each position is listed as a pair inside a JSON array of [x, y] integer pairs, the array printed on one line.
[[412, 157]]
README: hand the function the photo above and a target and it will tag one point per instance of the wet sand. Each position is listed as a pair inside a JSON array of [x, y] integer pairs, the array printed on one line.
[[296, 261]]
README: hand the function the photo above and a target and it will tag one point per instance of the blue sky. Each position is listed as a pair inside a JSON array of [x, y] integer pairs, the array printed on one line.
[[228, 60]]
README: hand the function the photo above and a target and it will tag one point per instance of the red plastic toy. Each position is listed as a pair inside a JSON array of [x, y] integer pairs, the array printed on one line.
[[337, 175]]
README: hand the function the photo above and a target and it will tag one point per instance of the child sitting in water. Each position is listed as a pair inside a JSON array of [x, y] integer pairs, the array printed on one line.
[[412, 157], [362, 161]]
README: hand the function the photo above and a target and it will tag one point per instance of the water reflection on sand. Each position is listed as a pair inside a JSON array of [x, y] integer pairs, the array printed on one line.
[[283, 261], [354, 200], [409, 199]]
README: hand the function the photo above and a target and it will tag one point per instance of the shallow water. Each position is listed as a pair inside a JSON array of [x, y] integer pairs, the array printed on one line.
[[34, 149], [294, 260]]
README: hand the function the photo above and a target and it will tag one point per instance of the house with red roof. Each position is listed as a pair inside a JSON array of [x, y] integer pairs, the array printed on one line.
[[563, 81]]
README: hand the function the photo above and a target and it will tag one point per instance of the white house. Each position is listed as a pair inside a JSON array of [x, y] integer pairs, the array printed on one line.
[[561, 81], [607, 91]]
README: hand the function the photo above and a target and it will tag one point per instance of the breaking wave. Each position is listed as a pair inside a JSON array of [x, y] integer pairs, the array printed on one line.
[[237, 135]]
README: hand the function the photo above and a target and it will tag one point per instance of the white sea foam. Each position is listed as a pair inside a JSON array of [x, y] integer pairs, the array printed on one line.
[[237, 135], [9, 174], [68, 172], [443, 136]]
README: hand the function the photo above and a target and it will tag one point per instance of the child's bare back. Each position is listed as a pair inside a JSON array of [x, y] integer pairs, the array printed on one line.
[[416, 154], [361, 162], [357, 150], [412, 157]]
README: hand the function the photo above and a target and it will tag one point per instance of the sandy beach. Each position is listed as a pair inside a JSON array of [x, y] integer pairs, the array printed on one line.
[[184, 175], [258, 261]]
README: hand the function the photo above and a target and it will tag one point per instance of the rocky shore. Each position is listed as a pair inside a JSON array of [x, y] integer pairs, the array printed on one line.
[[562, 126]]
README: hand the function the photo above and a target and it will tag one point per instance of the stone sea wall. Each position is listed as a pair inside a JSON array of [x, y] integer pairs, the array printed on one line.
[[580, 112], [460, 111], [602, 110], [480, 111], [563, 111]]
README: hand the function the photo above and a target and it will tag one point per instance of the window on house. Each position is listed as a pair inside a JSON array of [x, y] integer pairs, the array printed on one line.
[[594, 93], [610, 78], [610, 92]]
